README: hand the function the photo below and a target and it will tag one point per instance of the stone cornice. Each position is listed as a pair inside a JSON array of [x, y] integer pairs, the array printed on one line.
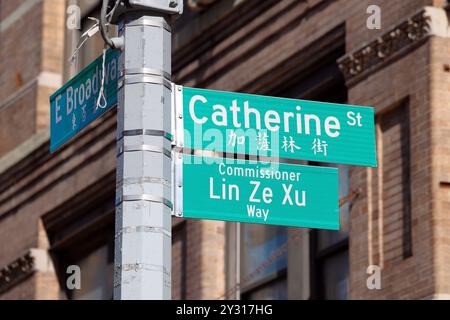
[[33, 260], [24, 150], [16, 271], [399, 40]]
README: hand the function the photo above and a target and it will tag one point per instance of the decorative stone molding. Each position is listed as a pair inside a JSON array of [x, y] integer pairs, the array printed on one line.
[[16, 271], [430, 21], [35, 260]]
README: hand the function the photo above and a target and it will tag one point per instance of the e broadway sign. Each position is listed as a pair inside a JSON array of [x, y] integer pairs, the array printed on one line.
[[256, 192], [74, 105], [275, 127]]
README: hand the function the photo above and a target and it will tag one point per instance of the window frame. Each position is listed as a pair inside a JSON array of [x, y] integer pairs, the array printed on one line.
[[247, 289], [319, 256], [264, 282], [317, 261]]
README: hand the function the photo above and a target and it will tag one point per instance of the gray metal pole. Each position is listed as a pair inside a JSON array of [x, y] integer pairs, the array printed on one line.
[[142, 268]]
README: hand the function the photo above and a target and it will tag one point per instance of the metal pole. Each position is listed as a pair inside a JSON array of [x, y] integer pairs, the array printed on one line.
[[142, 268]]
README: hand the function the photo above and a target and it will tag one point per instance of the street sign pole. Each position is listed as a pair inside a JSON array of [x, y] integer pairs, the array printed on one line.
[[142, 268]]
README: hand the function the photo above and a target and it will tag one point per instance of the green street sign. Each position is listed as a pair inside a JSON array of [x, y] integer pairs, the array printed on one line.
[[256, 192], [275, 127], [74, 105]]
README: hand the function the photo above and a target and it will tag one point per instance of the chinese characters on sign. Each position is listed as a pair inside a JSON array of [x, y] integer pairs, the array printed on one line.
[[74, 105]]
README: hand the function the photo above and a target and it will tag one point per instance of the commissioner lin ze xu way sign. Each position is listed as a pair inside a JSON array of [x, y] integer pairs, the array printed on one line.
[[74, 105], [275, 127], [256, 192]]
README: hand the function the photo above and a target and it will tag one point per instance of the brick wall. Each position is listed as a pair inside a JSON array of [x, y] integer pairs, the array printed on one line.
[[440, 122], [408, 80], [31, 61], [372, 232]]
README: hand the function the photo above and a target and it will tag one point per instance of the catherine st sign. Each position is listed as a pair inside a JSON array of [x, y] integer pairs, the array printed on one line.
[[74, 105], [256, 192], [275, 127]]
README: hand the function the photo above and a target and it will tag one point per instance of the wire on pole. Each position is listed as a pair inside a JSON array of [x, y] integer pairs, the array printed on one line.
[[104, 16]]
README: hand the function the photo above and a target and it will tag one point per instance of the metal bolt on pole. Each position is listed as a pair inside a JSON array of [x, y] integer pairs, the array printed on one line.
[[142, 267]]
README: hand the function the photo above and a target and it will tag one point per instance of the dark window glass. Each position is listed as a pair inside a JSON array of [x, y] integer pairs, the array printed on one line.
[[263, 261], [327, 238], [275, 290], [335, 274], [329, 263], [96, 275]]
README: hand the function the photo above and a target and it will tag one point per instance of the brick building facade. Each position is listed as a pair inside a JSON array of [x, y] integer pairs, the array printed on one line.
[[57, 210]]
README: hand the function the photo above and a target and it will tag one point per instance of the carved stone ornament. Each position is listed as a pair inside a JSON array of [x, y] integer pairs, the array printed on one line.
[[404, 37], [16, 271]]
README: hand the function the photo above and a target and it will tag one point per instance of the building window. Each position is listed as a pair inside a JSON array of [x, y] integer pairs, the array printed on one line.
[[96, 275], [263, 262], [329, 251], [273, 290], [81, 232]]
